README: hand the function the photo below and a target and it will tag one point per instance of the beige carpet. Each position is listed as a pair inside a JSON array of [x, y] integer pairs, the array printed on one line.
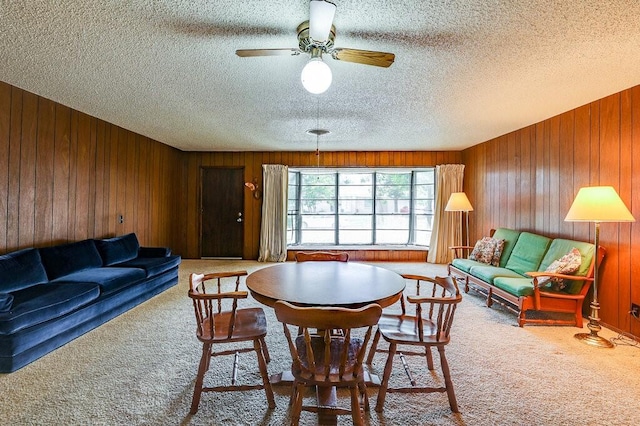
[[139, 369]]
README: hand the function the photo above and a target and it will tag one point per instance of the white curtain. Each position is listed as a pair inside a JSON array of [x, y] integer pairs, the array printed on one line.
[[446, 225], [273, 230]]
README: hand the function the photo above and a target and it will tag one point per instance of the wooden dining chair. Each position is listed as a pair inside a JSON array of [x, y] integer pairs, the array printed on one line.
[[219, 321], [322, 256], [303, 256], [429, 326], [393, 318], [326, 360]]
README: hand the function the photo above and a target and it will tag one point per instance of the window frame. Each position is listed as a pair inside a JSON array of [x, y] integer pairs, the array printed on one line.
[[295, 234]]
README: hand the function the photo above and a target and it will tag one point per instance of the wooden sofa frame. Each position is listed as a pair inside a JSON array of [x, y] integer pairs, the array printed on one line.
[[540, 300]]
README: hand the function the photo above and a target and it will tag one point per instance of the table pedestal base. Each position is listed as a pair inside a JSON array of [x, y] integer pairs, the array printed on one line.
[[325, 396]]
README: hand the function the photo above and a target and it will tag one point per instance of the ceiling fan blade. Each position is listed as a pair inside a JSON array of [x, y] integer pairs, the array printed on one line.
[[321, 13], [247, 53], [367, 57]]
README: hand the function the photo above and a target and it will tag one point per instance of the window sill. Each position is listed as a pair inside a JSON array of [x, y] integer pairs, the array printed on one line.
[[316, 247]]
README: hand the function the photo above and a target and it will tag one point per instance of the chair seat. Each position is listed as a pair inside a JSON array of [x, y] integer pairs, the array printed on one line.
[[250, 323], [318, 374], [404, 329]]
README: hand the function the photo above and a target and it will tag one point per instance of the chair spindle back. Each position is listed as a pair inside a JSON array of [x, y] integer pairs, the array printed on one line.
[[315, 325], [208, 305]]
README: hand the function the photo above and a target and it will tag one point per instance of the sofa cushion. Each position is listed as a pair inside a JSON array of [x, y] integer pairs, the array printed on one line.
[[43, 302], [522, 286], [21, 269], [118, 249], [510, 238], [154, 252], [560, 247], [528, 253], [6, 301], [488, 273], [109, 279], [152, 265], [567, 264], [66, 259], [466, 264], [516, 286]]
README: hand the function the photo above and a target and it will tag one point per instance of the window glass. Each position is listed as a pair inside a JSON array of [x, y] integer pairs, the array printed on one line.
[[356, 229], [360, 206], [393, 193]]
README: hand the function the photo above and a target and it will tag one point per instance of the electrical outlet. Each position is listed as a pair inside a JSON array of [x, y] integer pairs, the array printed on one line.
[[635, 310]]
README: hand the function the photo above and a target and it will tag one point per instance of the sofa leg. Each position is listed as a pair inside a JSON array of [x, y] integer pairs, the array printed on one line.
[[489, 298], [521, 318]]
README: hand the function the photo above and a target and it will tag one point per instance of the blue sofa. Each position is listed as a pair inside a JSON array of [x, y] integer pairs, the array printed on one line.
[[51, 295]]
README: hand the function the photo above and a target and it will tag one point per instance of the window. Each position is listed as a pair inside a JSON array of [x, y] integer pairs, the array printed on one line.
[[360, 206]]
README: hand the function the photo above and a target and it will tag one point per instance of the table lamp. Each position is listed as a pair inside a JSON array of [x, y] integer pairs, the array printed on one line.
[[597, 204], [458, 202]]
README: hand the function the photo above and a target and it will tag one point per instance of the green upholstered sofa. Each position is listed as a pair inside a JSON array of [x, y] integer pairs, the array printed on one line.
[[514, 281]]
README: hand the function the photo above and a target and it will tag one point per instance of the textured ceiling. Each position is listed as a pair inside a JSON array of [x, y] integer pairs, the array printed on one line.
[[465, 70]]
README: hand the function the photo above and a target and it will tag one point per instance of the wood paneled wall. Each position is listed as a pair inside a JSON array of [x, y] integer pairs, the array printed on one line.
[[66, 176], [252, 163], [528, 179]]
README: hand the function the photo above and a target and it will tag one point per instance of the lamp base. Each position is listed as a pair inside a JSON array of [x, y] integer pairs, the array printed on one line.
[[594, 340]]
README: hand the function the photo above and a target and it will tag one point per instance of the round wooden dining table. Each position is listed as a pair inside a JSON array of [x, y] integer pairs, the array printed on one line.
[[345, 284], [325, 283]]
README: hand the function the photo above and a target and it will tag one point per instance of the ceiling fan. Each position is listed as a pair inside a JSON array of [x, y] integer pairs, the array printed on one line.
[[316, 37]]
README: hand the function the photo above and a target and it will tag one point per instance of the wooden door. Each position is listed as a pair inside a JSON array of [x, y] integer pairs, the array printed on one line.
[[222, 217]]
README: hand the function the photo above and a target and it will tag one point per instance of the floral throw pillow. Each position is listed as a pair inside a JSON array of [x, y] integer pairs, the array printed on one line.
[[567, 264], [484, 250], [497, 253]]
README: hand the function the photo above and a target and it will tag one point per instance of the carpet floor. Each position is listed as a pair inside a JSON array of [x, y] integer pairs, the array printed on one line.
[[139, 369]]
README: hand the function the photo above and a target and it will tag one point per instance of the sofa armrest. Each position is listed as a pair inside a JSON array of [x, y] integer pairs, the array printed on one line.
[[560, 295], [458, 251], [154, 252], [537, 274]]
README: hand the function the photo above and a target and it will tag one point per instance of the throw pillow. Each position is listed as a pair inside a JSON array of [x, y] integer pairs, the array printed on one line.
[[497, 253], [118, 249], [567, 264], [484, 250]]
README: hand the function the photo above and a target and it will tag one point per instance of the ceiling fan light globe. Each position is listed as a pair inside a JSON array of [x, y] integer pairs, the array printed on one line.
[[316, 76]]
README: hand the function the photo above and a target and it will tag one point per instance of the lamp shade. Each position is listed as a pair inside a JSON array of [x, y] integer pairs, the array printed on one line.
[[321, 15], [316, 76], [598, 204], [458, 202]]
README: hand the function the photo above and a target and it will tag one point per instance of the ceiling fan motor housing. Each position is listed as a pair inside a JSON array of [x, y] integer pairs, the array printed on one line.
[[307, 44]]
